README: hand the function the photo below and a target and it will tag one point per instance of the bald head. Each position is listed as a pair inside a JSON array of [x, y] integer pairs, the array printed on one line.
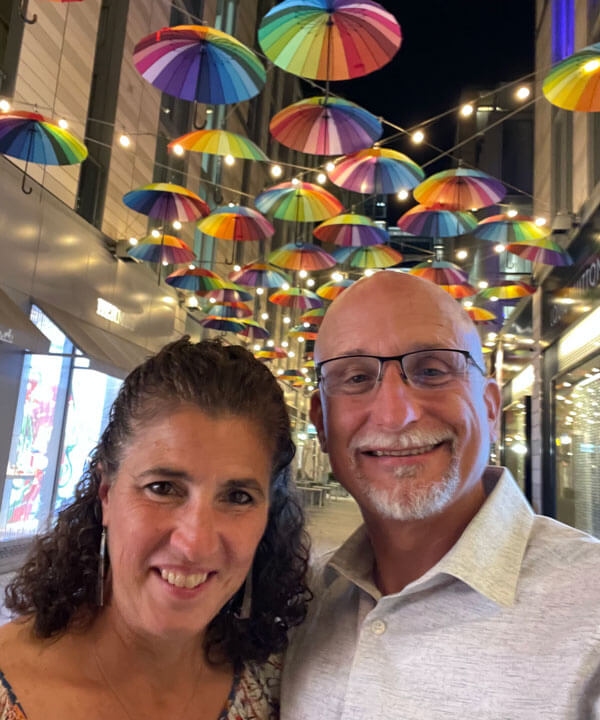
[[389, 313]]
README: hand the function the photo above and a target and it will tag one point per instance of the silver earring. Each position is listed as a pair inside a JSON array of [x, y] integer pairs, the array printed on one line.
[[101, 564], [246, 606]]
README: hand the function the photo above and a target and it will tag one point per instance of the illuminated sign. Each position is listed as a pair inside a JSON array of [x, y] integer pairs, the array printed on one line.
[[108, 311]]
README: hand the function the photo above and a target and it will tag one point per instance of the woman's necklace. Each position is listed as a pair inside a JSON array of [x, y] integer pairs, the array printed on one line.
[[183, 713]]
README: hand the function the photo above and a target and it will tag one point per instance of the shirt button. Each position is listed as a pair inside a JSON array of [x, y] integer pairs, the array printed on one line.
[[378, 627]]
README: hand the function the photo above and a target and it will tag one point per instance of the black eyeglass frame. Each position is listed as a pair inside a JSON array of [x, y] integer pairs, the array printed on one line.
[[385, 358]]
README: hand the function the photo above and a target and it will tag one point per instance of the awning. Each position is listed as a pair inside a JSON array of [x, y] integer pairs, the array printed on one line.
[[107, 352], [17, 332]]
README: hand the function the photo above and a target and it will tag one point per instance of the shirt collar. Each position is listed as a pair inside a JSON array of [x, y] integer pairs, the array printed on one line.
[[487, 556]]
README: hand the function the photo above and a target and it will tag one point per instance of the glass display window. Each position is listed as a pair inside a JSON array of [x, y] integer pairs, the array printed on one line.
[[516, 441], [577, 445]]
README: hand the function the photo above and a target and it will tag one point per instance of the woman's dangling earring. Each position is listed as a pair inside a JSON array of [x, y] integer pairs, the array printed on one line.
[[101, 564]]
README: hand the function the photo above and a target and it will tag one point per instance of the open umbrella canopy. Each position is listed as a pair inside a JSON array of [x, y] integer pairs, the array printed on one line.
[[374, 256], [230, 310], [296, 299], [507, 290], [290, 375], [273, 353], [195, 62], [325, 126], [298, 202], [254, 330], [462, 290], [260, 275], [32, 137], [304, 256], [544, 251], [376, 170], [222, 324], [574, 84], [313, 317], [461, 189], [166, 201], [329, 39], [351, 230], [164, 248], [235, 222], [331, 290], [480, 315], [502, 229], [440, 272], [227, 292], [308, 333], [220, 142], [437, 221], [195, 280]]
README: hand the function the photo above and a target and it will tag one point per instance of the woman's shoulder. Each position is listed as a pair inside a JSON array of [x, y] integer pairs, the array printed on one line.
[[256, 690]]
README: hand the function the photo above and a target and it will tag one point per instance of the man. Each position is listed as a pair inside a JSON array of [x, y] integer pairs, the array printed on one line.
[[453, 600]]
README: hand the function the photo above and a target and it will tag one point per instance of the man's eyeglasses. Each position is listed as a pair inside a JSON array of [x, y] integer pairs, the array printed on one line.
[[422, 369]]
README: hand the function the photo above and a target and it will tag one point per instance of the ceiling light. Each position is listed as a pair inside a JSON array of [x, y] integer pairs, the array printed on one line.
[[133, 241], [155, 234], [512, 213], [191, 267], [462, 254], [212, 300], [295, 181], [124, 141], [4, 105], [306, 324], [63, 124], [303, 274], [284, 344], [369, 272], [523, 93], [276, 171], [285, 286], [493, 299], [402, 194], [330, 166], [468, 304], [499, 248], [177, 225], [260, 291], [321, 178], [286, 320], [178, 149], [466, 110], [280, 371], [193, 302], [300, 339], [483, 284], [264, 316], [256, 348], [310, 282], [337, 276], [540, 221], [237, 268], [418, 136], [291, 354], [229, 160], [270, 343]]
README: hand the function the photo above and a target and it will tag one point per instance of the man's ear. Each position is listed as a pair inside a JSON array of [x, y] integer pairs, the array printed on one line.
[[493, 400], [316, 417]]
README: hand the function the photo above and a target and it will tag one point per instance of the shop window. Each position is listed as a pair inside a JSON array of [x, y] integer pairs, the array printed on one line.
[[61, 411], [516, 442], [11, 37], [577, 445]]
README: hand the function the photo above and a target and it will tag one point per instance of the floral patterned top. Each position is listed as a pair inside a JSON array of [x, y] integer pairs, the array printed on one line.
[[254, 694]]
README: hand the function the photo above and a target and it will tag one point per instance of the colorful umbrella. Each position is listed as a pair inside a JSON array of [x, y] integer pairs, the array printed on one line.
[[222, 324], [440, 272], [32, 137], [228, 292], [272, 354], [196, 280], [230, 310], [508, 290], [573, 83], [235, 222], [325, 126], [167, 202], [290, 375], [544, 251], [304, 256], [329, 39], [164, 248], [313, 317], [260, 275], [374, 256], [332, 289], [437, 221], [298, 202], [480, 315], [253, 330], [351, 230], [308, 333], [461, 189], [462, 290], [220, 142], [199, 63], [376, 170], [296, 299], [502, 229]]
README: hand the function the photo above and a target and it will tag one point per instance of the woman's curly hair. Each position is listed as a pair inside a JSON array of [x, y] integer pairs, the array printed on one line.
[[58, 582]]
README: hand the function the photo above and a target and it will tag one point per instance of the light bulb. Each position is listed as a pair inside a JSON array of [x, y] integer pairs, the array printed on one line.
[[418, 136], [256, 348], [276, 171], [295, 181], [285, 286], [523, 93], [462, 254], [303, 274], [540, 221], [284, 344], [229, 160], [321, 178], [264, 316], [178, 149], [237, 268], [402, 194], [330, 166], [499, 248], [260, 291], [466, 110], [133, 241], [124, 141], [177, 225], [155, 234], [368, 272], [270, 343], [4, 105], [337, 276], [483, 284], [286, 320], [310, 282], [63, 124]]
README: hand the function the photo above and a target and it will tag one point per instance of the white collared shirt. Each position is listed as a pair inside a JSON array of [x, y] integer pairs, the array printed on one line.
[[506, 626]]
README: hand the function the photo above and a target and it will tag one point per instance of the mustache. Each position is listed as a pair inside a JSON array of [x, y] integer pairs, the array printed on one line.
[[401, 441]]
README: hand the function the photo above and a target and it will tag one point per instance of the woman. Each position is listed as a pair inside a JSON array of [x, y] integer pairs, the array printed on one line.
[[168, 585]]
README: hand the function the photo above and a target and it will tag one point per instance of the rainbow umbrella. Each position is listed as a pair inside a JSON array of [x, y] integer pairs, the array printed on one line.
[[573, 83], [480, 315], [437, 221], [32, 137], [298, 202], [351, 230], [260, 275], [296, 299], [544, 251], [461, 189], [167, 202], [309, 364], [440, 272], [308, 333], [197, 279], [228, 292], [230, 310], [220, 142], [325, 126], [376, 170], [290, 375], [508, 290], [502, 229], [253, 330], [272, 354], [165, 248], [332, 289], [462, 290], [374, 256], [303, 256], [235, 222], [329, 39], [313, 317], [194, 62], [222, 324]]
